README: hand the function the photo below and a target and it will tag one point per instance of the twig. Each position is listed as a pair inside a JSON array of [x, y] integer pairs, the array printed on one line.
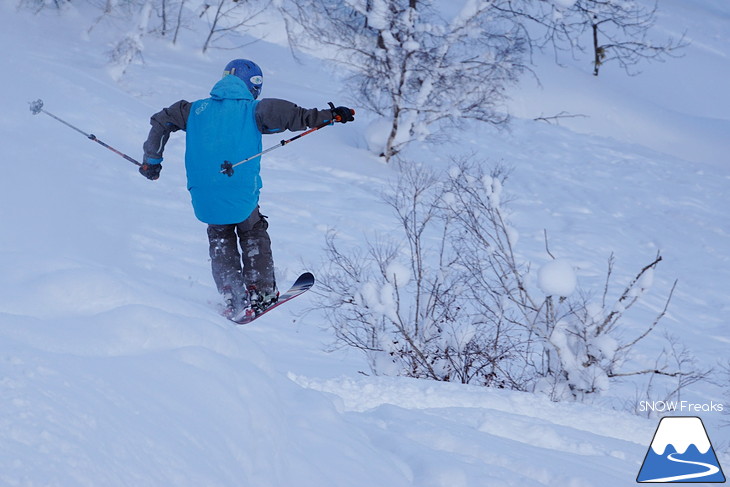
[[556, 118]]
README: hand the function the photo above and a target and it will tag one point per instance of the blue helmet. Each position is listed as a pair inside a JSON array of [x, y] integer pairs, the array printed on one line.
[[249, 72]]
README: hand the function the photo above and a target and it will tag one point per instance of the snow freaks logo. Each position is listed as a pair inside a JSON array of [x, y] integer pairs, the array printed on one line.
[[680, 452], [680, 407]]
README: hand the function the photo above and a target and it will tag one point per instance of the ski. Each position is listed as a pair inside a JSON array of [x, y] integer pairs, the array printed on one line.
[[300, 286]]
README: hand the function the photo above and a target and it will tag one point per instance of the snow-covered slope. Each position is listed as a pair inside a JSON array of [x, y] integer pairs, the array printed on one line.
[[116, 370]]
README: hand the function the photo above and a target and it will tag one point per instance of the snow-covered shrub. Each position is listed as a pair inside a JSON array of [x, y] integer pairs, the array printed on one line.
[[412, 63], [403, 300], [216, 20], [129, 48], [573, 345], [445, 296]]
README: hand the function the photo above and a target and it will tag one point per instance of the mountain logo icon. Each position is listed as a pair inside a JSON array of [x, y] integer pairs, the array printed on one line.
[[681, 452]]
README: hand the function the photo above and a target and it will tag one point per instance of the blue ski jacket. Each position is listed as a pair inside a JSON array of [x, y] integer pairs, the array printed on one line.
[[223, 128], [227, 126]]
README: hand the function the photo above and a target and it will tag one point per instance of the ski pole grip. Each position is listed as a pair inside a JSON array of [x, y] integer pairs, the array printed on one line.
[[338, 118]]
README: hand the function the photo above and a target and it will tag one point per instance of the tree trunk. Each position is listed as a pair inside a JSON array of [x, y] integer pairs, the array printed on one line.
[[596, 50]]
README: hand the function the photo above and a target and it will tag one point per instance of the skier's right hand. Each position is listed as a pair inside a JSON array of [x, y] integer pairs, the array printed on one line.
[[151, 168]]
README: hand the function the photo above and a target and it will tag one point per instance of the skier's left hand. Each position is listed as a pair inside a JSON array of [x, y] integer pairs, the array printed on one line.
[[342, 114]]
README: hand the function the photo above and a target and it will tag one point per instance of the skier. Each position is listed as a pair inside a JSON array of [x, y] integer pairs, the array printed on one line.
[[228, 127]]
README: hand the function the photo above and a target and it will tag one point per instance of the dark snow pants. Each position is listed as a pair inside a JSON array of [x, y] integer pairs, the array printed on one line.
[[235, 271]]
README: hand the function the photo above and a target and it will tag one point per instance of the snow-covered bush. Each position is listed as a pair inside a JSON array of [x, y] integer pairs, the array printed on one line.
[[403, 301], [214, 20], [412, 64], [130, 47], [450, 299]]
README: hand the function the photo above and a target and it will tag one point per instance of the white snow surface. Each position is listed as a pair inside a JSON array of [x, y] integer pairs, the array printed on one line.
[[116, 369]]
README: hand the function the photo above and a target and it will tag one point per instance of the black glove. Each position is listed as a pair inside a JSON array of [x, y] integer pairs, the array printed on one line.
[[342, 114], [150, 171]]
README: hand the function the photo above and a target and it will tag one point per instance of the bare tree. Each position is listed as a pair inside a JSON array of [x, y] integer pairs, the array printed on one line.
[[410, 65], [38, 5], [171, 18], [618, 31], [227, 16], [108, 7], [178, 21]]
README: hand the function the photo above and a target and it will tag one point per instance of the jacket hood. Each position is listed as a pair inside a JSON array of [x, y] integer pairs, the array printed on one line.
[[232, 88]]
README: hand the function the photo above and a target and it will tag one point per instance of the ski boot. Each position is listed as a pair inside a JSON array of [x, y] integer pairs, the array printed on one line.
[[237, 307], [259, 301]]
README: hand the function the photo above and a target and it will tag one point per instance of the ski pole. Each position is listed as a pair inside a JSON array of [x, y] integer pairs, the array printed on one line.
[[227, 167], [36, 107]]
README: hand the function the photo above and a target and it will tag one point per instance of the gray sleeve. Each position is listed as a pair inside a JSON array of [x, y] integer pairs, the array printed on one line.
[[164, 122], [274, 115]]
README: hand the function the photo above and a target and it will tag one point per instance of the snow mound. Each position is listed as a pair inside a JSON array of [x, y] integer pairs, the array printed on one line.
[[557, 278]]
